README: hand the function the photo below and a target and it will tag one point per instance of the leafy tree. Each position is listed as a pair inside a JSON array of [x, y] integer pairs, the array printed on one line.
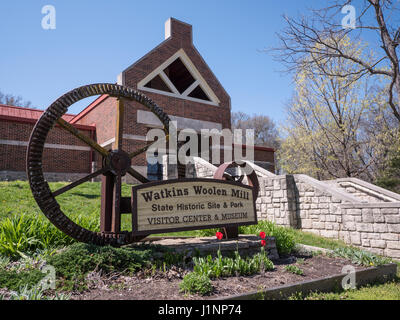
[[336, 126]]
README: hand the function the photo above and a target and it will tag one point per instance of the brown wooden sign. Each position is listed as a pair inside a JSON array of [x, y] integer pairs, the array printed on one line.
[[188, 204]]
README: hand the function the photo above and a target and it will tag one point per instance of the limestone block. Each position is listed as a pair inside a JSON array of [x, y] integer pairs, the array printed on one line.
[[377, 251], [378, 217], [389, 210], [364, 235], [353, 211], [263, 207], [364, 227], [365, 242], [345, 236], [331, 218], [349, 226], [318, 225], [328, 226], [367, 217], [355, 238], [306, 223], [390, 236], [324, 199], [393, 245], [392, 253], [380, 227], [336, 200], [374, 236], [277, 194], [366, 211], [330, 233], [392, 218], [395, 228]]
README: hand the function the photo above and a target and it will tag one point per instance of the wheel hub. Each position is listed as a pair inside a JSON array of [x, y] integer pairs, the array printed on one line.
[[118, 162]]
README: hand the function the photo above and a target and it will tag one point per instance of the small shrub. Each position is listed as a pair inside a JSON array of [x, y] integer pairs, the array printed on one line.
[[360, 257], [284, 239], [196, 283], [294, 269], [14, 280], [75, 262]]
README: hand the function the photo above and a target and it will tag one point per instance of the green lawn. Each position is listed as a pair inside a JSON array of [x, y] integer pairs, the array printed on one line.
[[82, 201]]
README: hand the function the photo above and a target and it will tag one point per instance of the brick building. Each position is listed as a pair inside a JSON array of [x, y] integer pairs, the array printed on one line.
[[173, 74]]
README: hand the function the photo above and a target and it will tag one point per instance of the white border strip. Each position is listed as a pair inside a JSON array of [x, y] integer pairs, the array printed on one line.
[[46, 145]]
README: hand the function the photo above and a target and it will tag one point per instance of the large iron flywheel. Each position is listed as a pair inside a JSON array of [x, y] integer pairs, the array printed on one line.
[[116, 163]]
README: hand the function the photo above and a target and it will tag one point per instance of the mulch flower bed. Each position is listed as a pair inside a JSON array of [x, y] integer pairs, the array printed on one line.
[[165, 285]]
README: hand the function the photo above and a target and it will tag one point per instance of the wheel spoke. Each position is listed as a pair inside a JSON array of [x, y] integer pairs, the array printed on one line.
[[69, 127], [119, 128], [143, 149], [137, 175], [78, 182]]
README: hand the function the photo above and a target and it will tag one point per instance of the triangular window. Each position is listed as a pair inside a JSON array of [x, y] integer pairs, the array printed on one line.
[[199, 94], [157, 83], [178, 77]]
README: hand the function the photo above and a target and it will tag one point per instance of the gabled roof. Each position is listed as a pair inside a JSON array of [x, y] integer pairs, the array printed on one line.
[[25, 113], [178, 43], [29, 115]]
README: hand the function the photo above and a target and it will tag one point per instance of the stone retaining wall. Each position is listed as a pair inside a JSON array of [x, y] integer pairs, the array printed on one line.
[[302, 202]]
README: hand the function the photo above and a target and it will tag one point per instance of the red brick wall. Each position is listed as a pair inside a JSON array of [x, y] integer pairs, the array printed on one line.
[[13, 158]]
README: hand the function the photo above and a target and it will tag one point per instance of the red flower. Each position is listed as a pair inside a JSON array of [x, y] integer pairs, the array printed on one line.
[[262, 235], [219, 235], [263, 243]]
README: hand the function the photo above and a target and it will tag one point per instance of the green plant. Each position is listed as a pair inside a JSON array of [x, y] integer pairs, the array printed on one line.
[[226, 266], [4, 261], [13, 280], [284, 239], [294, 269], [15, 236], [196, 283], [77, 260], [360, 257], [28, 293]]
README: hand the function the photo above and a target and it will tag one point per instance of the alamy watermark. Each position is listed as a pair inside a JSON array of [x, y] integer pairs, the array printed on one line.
[[349, 280], [49, 19], [349, 20], [236, 145]]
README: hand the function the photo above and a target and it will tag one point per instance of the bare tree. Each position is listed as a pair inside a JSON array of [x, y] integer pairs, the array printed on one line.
[[265, 132], [317, 40], [11, 100]]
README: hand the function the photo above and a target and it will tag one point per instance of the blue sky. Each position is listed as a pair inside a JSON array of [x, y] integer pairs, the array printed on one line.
[[95, 40]]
